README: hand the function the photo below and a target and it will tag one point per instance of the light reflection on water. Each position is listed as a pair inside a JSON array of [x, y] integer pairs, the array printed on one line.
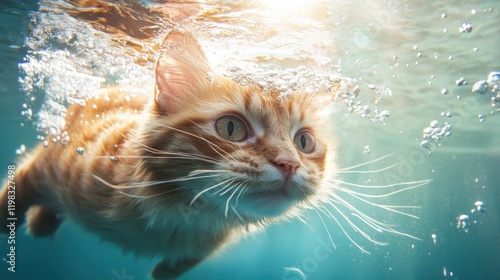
[[413, 48]]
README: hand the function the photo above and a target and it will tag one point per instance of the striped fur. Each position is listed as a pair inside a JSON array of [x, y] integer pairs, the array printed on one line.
[[176, 188]]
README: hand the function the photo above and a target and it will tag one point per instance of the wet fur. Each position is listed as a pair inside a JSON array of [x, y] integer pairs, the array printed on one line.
[[177, 189]]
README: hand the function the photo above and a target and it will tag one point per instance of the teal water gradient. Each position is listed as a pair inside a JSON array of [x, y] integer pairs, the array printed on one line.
[[466, 168]]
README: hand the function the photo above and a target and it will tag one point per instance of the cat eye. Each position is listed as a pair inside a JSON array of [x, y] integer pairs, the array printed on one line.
[[304, 140], [231, 128]]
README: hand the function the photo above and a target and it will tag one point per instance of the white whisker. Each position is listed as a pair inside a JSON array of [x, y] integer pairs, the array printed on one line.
[[146, 196], [416, 183], [208, 189], [224, 190], [391, 208], [151, 183], [204, 171], [325, 211], [238, 197], [229, 199], [238, 215], [368, 171], [366, 163], [211, 144], [174, 156], [326, 228]]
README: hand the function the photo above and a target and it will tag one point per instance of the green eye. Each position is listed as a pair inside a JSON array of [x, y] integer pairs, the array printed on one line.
[[231, 128], [304, 141]]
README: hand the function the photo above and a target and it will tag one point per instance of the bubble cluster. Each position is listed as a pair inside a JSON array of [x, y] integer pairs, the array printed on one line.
[[21, 150], [479, 207], [463, 222], [466, 27], [490, 85], [68, 62], [434, 133], [461, 82]]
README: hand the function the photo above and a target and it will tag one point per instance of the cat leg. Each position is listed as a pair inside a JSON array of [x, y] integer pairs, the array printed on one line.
[[166, 271], [15, 199], [43, 221]]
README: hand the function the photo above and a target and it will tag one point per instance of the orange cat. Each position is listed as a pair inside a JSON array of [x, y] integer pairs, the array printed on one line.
[[230, 156]]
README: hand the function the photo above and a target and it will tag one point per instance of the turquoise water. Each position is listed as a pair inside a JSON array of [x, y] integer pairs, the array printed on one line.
[[401, 52]]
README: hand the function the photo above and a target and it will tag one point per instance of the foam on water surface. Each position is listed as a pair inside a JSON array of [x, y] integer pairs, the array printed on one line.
[[73, 55]]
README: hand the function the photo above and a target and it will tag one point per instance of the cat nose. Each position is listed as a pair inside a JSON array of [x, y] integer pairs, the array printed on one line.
[[287, 166]]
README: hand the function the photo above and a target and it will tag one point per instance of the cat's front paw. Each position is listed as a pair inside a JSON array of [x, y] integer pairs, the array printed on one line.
[[166, 271]]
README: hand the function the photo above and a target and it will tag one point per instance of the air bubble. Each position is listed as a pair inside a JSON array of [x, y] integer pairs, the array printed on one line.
[[466, 27], [463, 222], [80, 150], [367, 150], [293, 273], [21, 150], [461, 82], [480, 206], [480, 87], [493, 77]]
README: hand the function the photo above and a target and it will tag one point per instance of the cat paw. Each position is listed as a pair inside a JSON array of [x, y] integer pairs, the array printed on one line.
[[42, 221], [166, 271]]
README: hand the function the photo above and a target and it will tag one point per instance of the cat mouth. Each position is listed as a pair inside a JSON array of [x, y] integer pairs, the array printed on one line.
[[285, 190]]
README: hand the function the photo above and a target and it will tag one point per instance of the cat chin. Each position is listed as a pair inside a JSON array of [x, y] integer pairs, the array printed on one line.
[[268, 204]]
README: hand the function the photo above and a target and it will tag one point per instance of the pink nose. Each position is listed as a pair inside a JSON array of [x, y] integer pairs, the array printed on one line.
[[287, 166]]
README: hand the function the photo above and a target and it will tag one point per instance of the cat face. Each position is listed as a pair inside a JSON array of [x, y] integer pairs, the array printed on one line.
[[247, 153]]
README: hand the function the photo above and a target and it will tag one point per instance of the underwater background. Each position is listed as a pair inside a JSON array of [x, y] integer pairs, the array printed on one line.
[[421, 87]]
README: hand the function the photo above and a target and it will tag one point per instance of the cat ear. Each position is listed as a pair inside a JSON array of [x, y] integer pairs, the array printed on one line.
[[181, 71]]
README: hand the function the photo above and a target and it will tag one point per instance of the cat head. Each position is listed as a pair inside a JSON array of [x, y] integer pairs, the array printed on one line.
[[241, 151]]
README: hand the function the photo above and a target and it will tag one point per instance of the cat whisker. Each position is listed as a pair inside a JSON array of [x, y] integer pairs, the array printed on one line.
[[204, 171], [151, 183], [326, 228], [211, 144], [368, 171], [146, 196], [392, 208], [226, 190], [238, 197], [377, 195], [367, 220], [186, 157], [413, 184], [229, 199], [238, 215], [210, 188], [373, 223], [327, 212], [366, 163]]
